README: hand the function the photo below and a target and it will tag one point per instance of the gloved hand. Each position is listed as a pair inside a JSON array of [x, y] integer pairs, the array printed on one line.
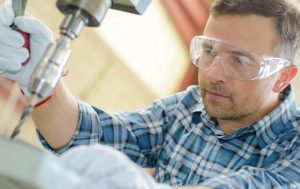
[[108, 168], [12, 54]]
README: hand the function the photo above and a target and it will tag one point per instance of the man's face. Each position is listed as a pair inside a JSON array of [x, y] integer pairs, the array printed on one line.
[[226, 98]]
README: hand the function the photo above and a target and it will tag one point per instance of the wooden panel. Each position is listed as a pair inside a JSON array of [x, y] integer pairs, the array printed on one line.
[[189, 17]]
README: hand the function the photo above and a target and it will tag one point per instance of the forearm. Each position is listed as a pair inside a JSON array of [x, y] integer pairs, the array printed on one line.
[[57, 118]]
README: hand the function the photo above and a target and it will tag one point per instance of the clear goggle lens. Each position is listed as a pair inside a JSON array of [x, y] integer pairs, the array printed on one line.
[[236, 62]]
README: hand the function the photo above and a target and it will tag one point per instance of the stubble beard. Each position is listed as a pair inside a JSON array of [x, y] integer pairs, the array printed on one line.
[[231, 110]]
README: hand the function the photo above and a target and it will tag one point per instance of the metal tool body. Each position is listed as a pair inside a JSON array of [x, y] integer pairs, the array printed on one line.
[[79, 13], [132, 6]]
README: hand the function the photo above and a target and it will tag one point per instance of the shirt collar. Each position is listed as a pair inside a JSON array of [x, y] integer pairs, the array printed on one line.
[[267, 128]]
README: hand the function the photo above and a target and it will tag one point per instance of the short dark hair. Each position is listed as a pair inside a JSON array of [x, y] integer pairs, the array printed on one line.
[[286, 16]]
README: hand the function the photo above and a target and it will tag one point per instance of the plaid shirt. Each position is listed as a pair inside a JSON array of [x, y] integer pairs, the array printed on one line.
[[177, 137]]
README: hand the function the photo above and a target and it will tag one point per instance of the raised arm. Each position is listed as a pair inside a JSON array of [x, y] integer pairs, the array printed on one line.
[[57, 118]]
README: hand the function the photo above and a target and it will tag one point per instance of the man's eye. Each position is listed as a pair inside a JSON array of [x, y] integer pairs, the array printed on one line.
[[242, 60], [207, 50]]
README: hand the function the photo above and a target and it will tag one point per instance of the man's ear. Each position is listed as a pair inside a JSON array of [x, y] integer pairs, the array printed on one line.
[[285, 78]]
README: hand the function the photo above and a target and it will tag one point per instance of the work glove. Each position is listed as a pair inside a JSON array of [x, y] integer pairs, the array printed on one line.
[[107, 168], [12, 52]]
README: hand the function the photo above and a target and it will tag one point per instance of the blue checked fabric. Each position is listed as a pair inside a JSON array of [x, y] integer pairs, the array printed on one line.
[[177, 137]]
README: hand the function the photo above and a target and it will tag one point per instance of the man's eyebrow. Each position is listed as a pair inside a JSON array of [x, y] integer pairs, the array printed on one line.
[[242, 53], [206, 45]]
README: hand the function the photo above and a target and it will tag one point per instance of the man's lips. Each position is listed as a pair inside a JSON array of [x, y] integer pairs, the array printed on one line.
[[214, 95]]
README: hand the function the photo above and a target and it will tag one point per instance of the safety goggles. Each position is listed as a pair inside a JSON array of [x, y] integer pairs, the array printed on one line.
[[237, 62]]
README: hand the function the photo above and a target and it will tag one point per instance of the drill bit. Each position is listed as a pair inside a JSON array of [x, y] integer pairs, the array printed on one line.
[[25, 115], [32, 101]]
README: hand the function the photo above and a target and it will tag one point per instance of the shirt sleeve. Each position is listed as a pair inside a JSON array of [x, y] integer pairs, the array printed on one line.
[[138, 134], [284, 174]]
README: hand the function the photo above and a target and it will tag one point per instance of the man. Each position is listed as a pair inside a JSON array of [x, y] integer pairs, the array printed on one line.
[[238, 129]]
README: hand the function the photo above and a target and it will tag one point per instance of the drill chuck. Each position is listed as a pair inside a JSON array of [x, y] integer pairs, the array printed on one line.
[[50, 69], [78, 14]]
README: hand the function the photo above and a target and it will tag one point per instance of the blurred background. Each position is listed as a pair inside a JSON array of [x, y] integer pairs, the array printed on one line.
[[124, 64]]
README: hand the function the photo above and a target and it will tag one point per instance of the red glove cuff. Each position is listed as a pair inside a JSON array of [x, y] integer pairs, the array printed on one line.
[[65, 72], [43, 101]]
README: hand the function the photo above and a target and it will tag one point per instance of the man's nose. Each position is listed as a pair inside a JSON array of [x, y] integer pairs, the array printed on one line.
[[216, 71]]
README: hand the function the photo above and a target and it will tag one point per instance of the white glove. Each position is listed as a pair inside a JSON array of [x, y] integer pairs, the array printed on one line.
[[12, 54], [108, 168]]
